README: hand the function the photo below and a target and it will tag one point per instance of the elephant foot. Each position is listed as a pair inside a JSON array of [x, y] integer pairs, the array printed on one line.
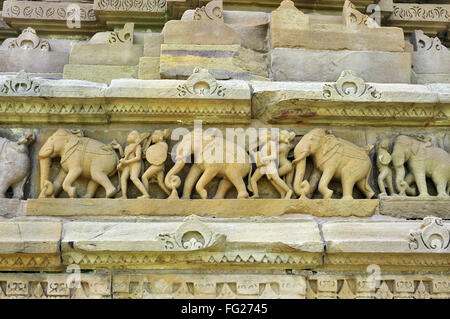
[[383, 194], [254, 196], [424, 195], [72, 192], [185, 197], [288, 195], [443, 195], [347, 197], [111, 192], [144, 197], [244, 195], [203, 193], [327, 194], [123, 197]]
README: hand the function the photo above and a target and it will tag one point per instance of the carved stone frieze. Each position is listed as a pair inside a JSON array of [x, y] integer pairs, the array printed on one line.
[[135, 5], [353, 18], [349, 85], [201, 83], [421, 12], [55, 286]]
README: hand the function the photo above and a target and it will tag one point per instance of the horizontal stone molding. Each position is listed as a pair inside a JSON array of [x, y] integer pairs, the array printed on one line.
[[60, 207], [376, 104], [133, 6], [54, 286], [421, 12], [414, 207]]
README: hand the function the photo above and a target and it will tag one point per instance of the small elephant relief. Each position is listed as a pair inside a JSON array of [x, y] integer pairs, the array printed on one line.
[[14, 164], [423, 161]]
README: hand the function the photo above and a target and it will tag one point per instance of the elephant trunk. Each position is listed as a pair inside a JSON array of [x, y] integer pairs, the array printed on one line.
[[46, 185], [400, 179], [172, 181], [300, 167]]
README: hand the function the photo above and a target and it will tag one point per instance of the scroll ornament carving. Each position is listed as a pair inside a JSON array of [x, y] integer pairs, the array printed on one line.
[[40, 10], [193, 234], [406, 11], [353, 17], [212, 11], [421, 42], [201, 83], [133, 5], [124, 36], [431, 236], [349, 85], [28, 40], [20, 85]]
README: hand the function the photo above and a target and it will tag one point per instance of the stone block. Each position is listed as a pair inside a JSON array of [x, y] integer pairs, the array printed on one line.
[[326, 65], [223, 61], [149, 68], [99, 73], [15, 60], [291, 28], [152, 44], [206, 32], [11, 207], [106, 54], [414, 207]]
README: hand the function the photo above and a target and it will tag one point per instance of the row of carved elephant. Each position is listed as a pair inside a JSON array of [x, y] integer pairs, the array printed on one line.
[[331, 157]]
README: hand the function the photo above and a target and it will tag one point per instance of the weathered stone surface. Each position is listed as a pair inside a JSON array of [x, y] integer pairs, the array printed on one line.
[[55, 286], [429, 56], [207, 286], [207, 32], [106, 54], [215, 242], [429, 78], [15, 60], [414, 207], [148, 68], [210, 207], [12, 207], [223, 61], [326, 65], [396, 104], [290, 28], [99, 73], [152, 44], [30, 244]]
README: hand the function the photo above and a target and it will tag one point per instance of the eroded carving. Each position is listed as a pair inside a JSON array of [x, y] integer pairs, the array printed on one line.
[[349, 85], [332, 157], [352, 17], [201, 83], [14, 164], [21, 84], [193, 234], [423, 160], [431, 236], [383, 161], [212, 11], [422, 42], [28, 40], [123, 36], [79, 156]]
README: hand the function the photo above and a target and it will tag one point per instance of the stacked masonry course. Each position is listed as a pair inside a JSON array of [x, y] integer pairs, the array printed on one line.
[[99, 200]]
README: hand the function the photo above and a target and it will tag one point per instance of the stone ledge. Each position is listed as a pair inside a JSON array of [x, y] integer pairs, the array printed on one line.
[[414, 207], [192, 243], [61, 207], [30, 245]]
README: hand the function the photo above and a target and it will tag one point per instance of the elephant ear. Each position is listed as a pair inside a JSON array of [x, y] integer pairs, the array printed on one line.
[[329, 143], [415, 146]]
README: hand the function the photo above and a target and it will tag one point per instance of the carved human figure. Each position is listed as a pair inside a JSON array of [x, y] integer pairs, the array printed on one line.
[[286, 169], [232, 167], [267, 164], [384, 170], [156, 155], [14, 164], [130, 164], [80, 157], [423, 160], [334, 158]]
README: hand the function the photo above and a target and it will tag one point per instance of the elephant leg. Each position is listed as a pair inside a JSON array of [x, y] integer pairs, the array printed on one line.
[[101, 178], [189, 182], [72, 175], [421, 183], [91, 189], [224, 186], [314, 181], [206, 177], [327, 175], [238, 182], [3, 187], [363, 188], [441, 184], [410, 190], [18, 188]]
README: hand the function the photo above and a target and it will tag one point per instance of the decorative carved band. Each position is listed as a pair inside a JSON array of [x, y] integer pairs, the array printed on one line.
[[133, 5], [422, 12]]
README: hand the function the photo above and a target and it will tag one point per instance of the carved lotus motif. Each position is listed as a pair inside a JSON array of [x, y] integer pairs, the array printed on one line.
[[20, 85], [193, 234], [28, 40], [349, 85], [201, 83], [431, 236]]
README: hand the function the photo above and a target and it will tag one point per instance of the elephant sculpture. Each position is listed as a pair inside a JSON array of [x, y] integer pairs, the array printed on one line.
[[14, 164], [332, 158], [209, 165], [423, 160], [80, 157]]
